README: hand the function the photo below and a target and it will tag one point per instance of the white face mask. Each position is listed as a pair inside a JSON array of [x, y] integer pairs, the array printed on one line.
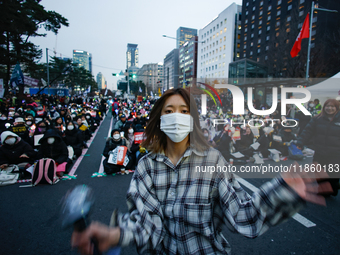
[[176, 126], [50, 140], [131, 131], [10, 141], [70, 127], [206, 135], [116, 136], [3, 118], [29, 123], [87, 117]]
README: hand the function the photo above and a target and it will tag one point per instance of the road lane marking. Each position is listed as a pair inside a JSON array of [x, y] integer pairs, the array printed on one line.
[[80, 158], [298, 217], [101, 167]]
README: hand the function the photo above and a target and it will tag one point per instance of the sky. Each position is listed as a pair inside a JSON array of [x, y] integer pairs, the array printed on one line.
[[105, 27]]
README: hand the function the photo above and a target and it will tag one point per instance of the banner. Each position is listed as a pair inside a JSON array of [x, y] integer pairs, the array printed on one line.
[[118, 156], [31, 82], [2, 90], [139, 137], [17, 77]]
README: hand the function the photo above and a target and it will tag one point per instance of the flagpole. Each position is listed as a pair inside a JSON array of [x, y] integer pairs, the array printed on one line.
[[309, 41], [310, 34], [48, 73]]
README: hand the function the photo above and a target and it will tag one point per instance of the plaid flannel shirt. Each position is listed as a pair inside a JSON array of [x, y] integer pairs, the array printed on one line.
[[177, 210]]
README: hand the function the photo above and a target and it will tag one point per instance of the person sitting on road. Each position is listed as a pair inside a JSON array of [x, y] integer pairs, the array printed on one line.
[[53, 146], [112, 143], [120, 124], [74, 138], [139, 120], [20, 128], [83, 128], [15, 151], [282, 145]]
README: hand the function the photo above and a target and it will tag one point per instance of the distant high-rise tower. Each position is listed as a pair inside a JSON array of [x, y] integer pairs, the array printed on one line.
[[132, 55], [184, 34], [101, 81], [83, 59]]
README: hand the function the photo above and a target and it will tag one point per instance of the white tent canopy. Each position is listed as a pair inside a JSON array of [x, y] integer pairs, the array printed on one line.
[[324, 90]]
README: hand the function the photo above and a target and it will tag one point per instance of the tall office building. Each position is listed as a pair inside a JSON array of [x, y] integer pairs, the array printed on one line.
[[151, 75], [82, 58], [170, 70], [101, 81], [132, 55], [220, 43], [90, 63], [270, 28], [184, 34], [188, 62]]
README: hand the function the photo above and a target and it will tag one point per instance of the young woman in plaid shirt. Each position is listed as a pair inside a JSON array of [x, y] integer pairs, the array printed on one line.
[[177, 207]]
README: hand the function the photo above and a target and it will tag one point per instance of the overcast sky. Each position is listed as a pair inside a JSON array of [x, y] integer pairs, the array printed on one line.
[[104, 27]]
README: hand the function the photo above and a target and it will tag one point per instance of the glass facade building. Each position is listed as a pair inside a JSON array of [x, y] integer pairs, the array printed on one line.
[[82, 58], [132, 55], [187, 62], [185, 34]]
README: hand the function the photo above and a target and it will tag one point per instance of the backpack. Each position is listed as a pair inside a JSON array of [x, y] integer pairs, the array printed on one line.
[[294, 152], [44, 172]]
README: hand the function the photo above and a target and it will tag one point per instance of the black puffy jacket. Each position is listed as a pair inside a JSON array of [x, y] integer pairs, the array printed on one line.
[[10, 154], [325, 135], [74, 138], [57, 151]]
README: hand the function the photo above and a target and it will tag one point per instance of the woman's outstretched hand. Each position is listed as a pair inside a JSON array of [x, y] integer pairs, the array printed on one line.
[[103, 235], [306, 185]]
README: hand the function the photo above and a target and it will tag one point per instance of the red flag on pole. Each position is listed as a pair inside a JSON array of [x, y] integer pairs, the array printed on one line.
[[304, 33]]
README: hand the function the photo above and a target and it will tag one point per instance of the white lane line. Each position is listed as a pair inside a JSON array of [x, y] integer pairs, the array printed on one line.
[[101, 168], [298, 217], [80, 158]]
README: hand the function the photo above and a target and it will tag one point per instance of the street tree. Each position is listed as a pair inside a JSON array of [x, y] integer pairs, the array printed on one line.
[[20, 21]]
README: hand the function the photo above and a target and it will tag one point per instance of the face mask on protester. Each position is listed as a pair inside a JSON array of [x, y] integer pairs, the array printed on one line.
[[176, 126], [10, 141], [28, 123], [116, 136], [88, 117], [70, 127], [131, 131], [206, 135], [50, 140], [42, 129], [3, 118]]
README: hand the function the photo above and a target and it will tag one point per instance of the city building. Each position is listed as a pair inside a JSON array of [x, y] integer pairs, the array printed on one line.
[[188, 62], [220, 43], [132, 55], [90, 63], [184, 34], [101, 81], [82, 58], [170, 70], [151, 75], [269, 30]]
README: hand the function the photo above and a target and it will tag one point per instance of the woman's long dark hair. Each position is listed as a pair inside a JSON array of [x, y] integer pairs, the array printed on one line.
[[156, 140]]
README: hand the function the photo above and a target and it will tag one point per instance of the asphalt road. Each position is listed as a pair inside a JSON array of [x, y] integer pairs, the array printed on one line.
[[31, 224]]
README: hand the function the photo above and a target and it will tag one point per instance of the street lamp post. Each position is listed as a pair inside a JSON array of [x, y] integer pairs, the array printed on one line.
[[310, 33]]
